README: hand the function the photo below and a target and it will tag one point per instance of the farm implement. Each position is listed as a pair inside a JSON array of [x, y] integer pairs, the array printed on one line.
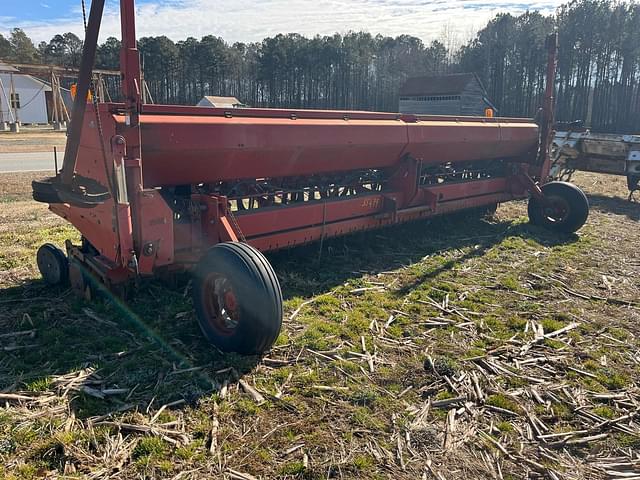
[[157, 189], [576, 148]]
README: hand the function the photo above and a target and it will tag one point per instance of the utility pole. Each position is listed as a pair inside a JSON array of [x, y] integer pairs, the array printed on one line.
[[3, 124], [9, 111], [15, 126], [54, 98], [144, 89], [63, 114], [59, 106]]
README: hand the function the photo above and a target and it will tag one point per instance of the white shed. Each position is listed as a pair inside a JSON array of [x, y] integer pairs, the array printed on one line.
[[220, 102], [29, 98]]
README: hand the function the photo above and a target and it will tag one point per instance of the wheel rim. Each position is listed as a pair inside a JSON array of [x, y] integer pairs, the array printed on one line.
[[555, 209], [220, 304], [49, 266]]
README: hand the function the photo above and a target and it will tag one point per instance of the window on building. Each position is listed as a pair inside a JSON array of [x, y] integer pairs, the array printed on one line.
[[15, 100], [439, 98]]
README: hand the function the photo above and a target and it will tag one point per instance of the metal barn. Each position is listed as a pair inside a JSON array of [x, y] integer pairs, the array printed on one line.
[[456, 94]]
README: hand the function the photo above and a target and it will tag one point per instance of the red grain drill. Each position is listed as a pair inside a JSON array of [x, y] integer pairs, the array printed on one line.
[[156, 189]]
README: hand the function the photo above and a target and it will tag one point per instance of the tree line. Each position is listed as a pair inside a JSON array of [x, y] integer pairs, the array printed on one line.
[[598, 76]]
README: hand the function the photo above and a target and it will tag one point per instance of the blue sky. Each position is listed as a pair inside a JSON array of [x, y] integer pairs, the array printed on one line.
[[252, 20]]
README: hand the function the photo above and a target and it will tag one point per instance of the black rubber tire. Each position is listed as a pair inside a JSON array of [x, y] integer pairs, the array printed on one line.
[[257, 297], [574, 201], [53, 264]]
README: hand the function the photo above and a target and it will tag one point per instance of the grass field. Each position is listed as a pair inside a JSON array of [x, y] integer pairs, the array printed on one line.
[[455, 348]]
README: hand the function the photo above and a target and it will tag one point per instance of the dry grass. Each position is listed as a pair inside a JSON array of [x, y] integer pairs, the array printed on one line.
[[446, 349], [16, 186], [32, 140]]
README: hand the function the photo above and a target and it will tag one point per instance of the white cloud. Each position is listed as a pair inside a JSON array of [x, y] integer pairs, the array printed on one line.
[[252, 20]]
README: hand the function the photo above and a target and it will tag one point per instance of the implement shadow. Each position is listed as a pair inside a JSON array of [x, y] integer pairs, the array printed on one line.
[[615, 205], [307, 271], [152, 348]]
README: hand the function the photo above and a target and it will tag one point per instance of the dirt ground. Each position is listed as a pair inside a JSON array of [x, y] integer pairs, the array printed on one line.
[[453, 348], [32, 139]]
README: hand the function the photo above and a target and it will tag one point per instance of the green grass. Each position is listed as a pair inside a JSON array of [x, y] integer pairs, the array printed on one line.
[[22, 242], [502, 401], [625, 440], [505, 427], [613, 380], [560, 411], [149, 447], [605, 412], [551, 324], [479, 265], [292, 468]]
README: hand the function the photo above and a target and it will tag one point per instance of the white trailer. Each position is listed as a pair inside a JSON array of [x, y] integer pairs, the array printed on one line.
[[597, 152]]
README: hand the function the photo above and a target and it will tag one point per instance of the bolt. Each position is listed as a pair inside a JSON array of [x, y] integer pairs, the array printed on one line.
[[148, 250]]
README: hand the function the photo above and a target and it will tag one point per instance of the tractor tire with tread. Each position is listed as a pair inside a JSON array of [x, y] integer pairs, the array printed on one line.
[[237, 299], [566, 211]]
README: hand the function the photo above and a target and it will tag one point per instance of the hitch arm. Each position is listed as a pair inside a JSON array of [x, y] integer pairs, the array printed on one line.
[[84, 81]]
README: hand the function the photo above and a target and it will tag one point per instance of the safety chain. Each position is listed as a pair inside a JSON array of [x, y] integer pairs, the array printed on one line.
[[236, 226]]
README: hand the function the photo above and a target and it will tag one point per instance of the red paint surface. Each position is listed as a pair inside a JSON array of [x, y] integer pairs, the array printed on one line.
[[180, 149]]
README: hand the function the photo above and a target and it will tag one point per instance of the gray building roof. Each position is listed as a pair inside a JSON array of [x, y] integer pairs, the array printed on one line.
[[438, 84], [220, 102]]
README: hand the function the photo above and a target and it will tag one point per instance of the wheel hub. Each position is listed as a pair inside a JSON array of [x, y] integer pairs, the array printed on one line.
[[49, 266], [555, 209], [221, 304]]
